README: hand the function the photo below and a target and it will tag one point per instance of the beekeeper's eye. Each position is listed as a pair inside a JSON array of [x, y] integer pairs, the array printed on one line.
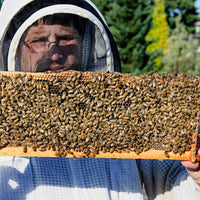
[[64, 40], [42, 45], [40, 40]]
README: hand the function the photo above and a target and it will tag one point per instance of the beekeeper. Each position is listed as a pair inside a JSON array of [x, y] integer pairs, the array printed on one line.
[[58, 35]]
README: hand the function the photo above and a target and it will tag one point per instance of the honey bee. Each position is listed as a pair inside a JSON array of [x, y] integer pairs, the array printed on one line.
[[34, 148], [25, 149]]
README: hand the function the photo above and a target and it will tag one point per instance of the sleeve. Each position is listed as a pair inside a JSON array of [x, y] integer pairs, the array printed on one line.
[[167, 180]]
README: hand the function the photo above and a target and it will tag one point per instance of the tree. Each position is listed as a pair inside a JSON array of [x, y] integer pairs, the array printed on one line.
[[102, 5], [182, 55], [185, 7], [157, 37], [129, 22]]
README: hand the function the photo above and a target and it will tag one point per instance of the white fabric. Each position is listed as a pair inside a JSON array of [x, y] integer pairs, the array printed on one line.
[[9, 10], [93, 179], [65, 178], [168, 180], [94, 6]]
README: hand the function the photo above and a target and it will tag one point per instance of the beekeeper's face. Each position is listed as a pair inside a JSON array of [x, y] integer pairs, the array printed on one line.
[[47, 47]]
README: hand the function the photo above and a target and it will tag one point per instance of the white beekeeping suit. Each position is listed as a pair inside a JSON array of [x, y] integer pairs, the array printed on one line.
[[87, 179], [99, 50]]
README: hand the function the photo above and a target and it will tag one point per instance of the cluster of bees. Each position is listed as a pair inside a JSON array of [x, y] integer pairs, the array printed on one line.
[[108, 112]]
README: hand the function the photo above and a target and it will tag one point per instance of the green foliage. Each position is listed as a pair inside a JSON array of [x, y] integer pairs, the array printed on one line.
[[102, 5], [157, 36], [129, 22], [182, 55], [185, 7], [140, 48]]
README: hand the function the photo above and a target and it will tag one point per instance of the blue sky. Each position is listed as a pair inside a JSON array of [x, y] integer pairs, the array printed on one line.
[[197, 4]]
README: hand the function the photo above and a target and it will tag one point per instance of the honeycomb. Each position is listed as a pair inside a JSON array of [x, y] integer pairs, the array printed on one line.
[[92, 114]]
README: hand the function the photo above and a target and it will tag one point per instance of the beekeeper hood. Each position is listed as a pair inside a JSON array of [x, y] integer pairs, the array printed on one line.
[[98, 50]]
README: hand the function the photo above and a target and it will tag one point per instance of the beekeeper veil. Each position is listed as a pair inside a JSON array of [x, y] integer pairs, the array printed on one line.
[[98, 49]]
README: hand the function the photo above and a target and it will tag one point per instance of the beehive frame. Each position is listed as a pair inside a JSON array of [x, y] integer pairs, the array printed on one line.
[[111, 100]]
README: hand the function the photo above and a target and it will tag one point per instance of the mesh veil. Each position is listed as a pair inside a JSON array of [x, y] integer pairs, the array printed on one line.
[[60, 178]]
